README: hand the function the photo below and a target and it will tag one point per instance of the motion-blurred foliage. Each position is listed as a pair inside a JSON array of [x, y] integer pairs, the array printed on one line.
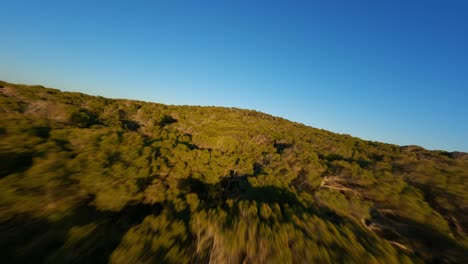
[[89, 179]]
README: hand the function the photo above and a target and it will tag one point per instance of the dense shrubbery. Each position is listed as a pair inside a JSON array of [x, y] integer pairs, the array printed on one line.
[[90, 179]]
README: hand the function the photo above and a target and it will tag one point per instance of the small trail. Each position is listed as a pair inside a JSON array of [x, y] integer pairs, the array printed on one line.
[[400, 246], [331, 183]]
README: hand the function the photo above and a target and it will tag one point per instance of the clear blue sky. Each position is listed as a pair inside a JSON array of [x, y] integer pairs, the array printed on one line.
[[390, 71]]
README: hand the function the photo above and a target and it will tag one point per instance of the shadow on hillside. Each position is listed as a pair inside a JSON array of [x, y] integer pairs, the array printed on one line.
[[427, 242], [24, 238], [15, 162], [237, 188]]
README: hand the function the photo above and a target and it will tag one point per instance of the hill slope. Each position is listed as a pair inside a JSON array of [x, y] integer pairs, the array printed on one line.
[[89, 179]]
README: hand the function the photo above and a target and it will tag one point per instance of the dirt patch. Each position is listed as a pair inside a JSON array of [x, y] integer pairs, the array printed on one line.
[[47, 110], [10, 91]]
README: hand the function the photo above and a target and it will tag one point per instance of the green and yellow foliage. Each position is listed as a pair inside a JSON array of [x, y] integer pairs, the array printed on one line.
[[87, 179]]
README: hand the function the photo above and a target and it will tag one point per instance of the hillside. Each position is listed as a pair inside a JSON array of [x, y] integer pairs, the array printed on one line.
[[87, 179]]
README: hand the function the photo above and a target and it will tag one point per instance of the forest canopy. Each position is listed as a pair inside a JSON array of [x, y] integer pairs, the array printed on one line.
[[88, 179]]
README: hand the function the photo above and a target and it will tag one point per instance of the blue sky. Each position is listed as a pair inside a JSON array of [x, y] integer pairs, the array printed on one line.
[[390, 71]]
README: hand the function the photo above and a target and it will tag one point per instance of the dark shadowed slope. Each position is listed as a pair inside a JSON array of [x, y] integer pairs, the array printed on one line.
[[88, 179]]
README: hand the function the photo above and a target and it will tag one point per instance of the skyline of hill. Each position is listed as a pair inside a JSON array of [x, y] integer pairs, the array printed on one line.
[[241, 108]]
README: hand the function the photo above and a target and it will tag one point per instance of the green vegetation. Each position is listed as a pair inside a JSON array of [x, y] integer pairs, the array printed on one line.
[[88, 179]]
